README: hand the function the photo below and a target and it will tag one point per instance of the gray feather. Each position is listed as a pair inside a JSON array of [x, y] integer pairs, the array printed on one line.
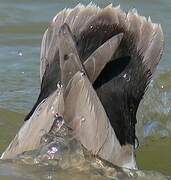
[[39, 124], [97, 61], [69, 58]]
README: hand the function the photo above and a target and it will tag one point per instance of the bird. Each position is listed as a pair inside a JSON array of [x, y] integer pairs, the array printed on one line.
[[95, 67]]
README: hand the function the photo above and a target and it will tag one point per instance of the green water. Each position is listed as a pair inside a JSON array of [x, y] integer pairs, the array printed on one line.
[[9, 124], [22, 24]]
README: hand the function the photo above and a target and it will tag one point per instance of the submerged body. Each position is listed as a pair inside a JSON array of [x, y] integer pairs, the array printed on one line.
[[104, 59]]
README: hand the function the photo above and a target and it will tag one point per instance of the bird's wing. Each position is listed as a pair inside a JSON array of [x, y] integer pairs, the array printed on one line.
[[30, 134], [88, 120]]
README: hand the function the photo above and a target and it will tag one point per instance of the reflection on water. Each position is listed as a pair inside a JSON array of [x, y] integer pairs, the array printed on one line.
[[22, 25], [154, 113]]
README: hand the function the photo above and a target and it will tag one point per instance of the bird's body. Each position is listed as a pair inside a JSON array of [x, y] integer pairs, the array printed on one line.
[[104, 59]]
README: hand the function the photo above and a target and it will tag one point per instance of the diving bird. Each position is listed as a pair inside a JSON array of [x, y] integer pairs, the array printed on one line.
[[104, 60], [122, 83]]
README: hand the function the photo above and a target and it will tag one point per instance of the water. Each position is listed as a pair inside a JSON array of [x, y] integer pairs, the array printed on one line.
[[22, 24]]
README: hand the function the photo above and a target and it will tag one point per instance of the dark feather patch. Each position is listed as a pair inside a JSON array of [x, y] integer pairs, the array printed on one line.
[[49, 83], [121, 95]]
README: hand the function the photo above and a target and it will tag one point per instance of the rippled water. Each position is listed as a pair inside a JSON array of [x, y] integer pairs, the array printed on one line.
[[22, 24]]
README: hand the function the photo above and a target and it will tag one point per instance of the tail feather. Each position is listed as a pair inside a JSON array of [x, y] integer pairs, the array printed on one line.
[[155, 49], [84, 15], [70, 19], [133, 25], [82, 19]]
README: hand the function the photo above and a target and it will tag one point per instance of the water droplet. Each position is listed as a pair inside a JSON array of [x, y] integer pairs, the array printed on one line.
[[82, 73], [83, 119], [162, 86], [91, 27], [20, 53], [60, 120], [54, 149], [57, 124], [126, 77], [49, 177], [59, 85]]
